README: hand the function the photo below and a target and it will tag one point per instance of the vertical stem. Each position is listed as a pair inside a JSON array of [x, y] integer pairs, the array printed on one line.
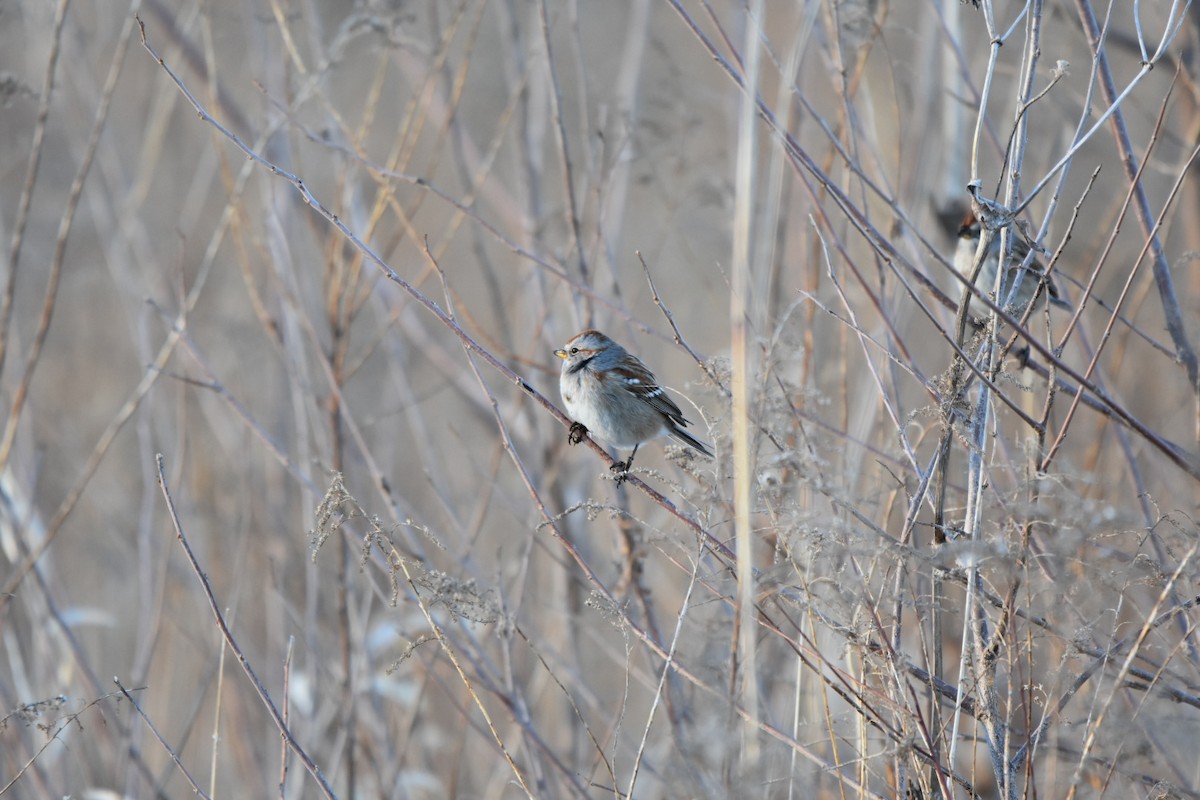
[[739, 312]]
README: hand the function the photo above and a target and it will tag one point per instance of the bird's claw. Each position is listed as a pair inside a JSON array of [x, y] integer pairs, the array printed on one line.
[[577, 432], [620, 471]]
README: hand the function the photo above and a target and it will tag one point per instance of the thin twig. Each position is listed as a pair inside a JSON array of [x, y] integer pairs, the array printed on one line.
[[170, 751], [215, 607]]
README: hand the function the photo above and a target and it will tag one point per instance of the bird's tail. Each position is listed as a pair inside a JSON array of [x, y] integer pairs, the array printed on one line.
[[1057, 299], [680, 435], [1055, 296]]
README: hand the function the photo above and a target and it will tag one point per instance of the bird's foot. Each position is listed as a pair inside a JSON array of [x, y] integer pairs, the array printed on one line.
[[577, 432], [620, 471]]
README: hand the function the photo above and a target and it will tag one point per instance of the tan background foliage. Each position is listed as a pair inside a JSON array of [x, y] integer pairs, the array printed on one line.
[[487, 614]]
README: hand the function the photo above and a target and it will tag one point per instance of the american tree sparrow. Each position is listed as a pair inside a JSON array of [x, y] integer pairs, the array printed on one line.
[[610, 394], [1031, 282]]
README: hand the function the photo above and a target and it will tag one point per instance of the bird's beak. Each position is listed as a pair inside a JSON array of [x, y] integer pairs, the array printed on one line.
[[561, 354]]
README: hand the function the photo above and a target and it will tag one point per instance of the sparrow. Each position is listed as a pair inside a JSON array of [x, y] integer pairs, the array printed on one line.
[[611, 394], [1031, 283]]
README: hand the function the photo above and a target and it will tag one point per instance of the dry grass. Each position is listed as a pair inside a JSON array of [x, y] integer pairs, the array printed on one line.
[[318, 258]]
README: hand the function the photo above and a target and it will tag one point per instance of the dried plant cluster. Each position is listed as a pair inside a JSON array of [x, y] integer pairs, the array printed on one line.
[[282, 448]]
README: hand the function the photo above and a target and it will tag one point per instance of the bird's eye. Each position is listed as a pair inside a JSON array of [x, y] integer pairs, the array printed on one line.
[[574, 350]]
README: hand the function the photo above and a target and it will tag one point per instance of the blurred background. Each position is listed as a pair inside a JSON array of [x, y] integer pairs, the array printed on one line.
[[442, 597]]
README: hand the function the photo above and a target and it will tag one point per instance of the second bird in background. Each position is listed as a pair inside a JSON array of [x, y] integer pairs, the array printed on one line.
[[1031, 284], [613, 396]]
